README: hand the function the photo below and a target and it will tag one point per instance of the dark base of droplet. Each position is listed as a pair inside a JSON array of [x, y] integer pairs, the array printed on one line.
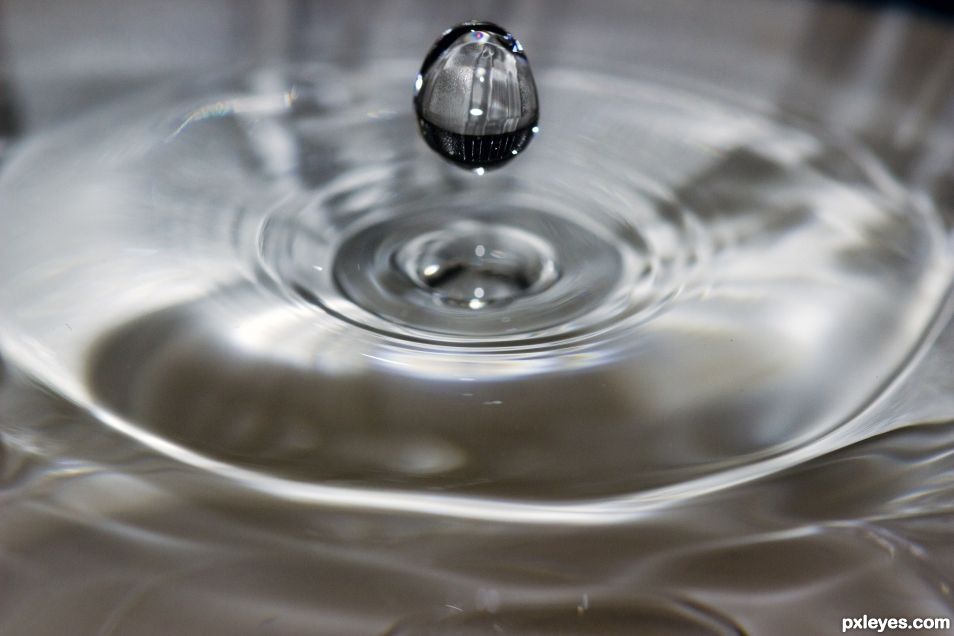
[[476, 151]]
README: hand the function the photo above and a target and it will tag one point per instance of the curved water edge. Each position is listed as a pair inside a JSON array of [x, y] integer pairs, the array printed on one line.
[[224, 306]]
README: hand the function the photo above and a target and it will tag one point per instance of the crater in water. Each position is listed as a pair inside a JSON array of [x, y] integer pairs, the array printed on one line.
[[279, 284], [475, 266]]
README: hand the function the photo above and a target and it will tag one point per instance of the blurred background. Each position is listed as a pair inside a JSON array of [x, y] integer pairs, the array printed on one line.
[[859, 63], [882, 69]]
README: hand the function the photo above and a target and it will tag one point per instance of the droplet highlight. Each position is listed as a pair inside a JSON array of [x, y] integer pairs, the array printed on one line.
[[475, 97]]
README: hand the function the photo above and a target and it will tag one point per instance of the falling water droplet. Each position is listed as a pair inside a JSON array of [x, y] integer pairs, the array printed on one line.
[[475, 98]]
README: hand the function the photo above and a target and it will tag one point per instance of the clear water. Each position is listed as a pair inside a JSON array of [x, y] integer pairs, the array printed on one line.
[[475, 98], [303, 376]]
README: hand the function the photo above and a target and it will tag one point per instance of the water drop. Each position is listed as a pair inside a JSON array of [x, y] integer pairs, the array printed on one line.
[[475, 97]]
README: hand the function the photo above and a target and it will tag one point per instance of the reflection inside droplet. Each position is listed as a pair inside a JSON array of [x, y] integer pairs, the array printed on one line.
[[475, 97]]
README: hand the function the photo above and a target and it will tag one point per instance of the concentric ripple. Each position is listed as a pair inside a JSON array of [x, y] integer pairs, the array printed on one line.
[[465, 274], [271, 277]]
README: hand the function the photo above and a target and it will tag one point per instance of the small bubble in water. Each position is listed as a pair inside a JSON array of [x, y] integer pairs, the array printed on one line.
[[475, 97]]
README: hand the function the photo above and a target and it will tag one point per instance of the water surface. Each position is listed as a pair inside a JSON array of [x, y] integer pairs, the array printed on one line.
[[662, 373]]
